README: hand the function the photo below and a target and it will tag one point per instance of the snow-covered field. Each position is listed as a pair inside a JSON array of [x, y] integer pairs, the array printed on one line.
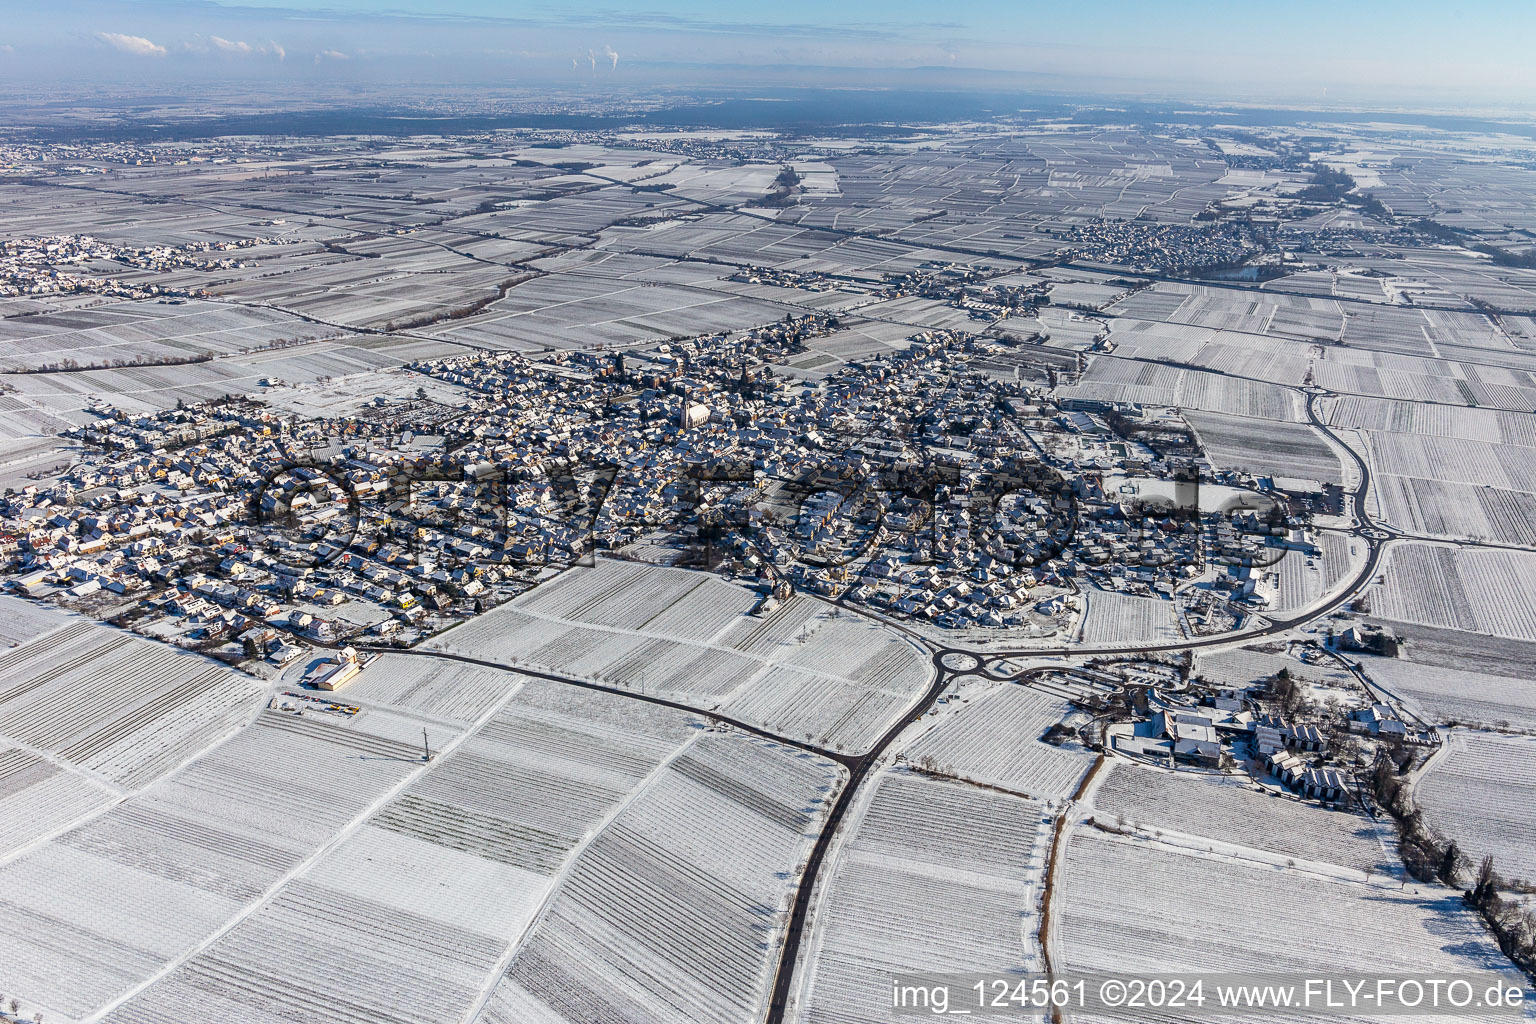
[[119, 897], [1115, 618], [314, 866], [317, 868], [411, 913], [1232, 810], [804, 670], [675, 911], [1484, 696], [38, 797], [1241, 667], [1265, 447], [431, 686], [1125, 906], [933, 876], [995, 739], [1455, 486], [1481, 793], [1478, 590], [22, 620], [125, 708]]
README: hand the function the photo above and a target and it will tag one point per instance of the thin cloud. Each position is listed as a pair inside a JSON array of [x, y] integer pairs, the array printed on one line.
[[242, 48], [136, 45], [325, 55]]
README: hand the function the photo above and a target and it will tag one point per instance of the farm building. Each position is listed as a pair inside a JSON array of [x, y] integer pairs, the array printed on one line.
[[339, 675], [1194, 737]]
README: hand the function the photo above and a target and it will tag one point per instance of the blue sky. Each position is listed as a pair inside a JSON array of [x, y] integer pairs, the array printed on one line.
[[1406, 53]]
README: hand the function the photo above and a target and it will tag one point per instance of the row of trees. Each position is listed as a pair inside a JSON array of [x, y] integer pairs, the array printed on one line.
[[1429, 859], [74, 366]]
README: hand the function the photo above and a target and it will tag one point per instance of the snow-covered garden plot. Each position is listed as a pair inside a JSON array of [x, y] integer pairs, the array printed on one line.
[[675, 910], [37, 797], [933, 877], [1232, 810], [1242, 667], [116, 899], [127, 708], [1125, 619], [1124, 906], [995, 739], [432, 686], [1265, 447], [1484, 696], [803, 670], [1481, 792], [1477, 590]]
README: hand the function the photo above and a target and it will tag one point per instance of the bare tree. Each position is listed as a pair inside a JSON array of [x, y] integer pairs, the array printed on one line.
[[1487, 884]]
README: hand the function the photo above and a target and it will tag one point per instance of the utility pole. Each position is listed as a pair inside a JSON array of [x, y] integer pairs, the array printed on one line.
[[426, 751]]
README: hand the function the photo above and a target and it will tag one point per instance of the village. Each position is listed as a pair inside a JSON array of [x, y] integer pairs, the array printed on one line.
[[914, 486]]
